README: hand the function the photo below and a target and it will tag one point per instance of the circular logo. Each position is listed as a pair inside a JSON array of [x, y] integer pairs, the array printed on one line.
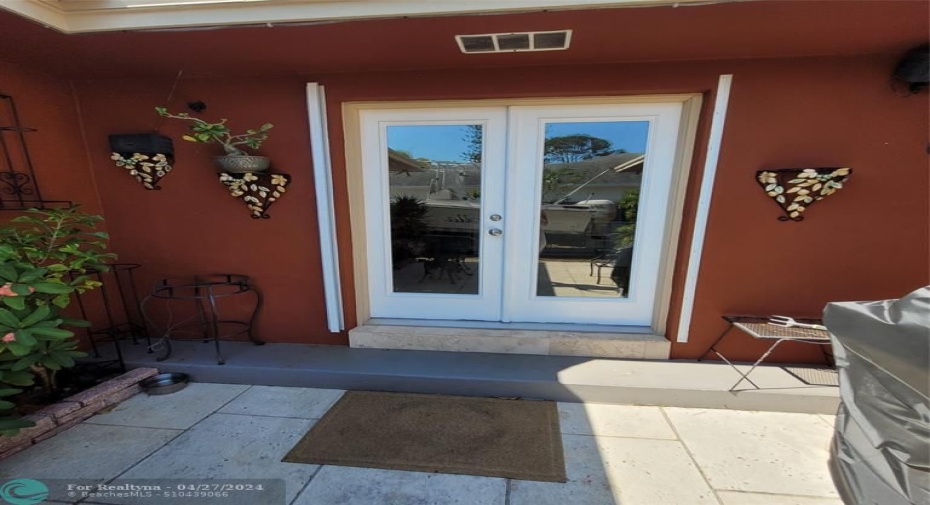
[[24, 492]]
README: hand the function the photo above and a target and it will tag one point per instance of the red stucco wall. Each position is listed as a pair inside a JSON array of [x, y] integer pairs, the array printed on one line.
[[57, 151], [57, 148], [193, 226], [789, 108], [868, 241], [871, 240]]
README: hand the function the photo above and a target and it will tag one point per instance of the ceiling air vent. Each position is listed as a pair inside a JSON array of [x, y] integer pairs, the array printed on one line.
[[514, 42]]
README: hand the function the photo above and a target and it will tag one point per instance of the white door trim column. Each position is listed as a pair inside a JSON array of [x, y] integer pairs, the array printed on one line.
[[703, 207], [326, 213]]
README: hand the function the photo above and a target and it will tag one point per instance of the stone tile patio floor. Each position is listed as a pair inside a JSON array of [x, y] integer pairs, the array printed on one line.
[[614, 454]]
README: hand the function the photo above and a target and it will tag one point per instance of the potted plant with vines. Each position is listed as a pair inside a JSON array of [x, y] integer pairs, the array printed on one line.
[[236, 160], [45, 256]]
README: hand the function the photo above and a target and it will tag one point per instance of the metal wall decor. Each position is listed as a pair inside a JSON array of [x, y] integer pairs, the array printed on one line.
[[796, 189], [147, 157], [258, 190], [19, 188]]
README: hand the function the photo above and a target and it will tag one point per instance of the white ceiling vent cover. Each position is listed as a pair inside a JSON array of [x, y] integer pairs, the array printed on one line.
[[514, 42]]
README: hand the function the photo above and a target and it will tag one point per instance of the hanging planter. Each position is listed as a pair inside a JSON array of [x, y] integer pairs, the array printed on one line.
[[257, 190], [240, 164], [236, 159], [796, 189], [146, 157]]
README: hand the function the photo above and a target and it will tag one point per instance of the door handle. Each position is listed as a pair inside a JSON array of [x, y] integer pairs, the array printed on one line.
[[495, 232]]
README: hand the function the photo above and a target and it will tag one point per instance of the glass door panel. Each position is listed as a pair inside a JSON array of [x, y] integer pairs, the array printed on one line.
[[433, 205], [434, 177], [588, 193], [589, 198]]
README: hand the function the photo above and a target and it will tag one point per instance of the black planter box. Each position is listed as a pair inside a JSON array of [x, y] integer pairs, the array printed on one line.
[[141, 143]]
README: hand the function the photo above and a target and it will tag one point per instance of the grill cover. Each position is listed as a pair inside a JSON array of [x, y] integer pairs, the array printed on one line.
[[881, 444]]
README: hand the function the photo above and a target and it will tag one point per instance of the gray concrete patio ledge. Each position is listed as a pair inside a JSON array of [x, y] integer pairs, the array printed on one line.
[[559, 378]]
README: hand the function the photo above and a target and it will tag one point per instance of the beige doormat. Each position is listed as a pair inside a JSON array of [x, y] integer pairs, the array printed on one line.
[[516, 439]]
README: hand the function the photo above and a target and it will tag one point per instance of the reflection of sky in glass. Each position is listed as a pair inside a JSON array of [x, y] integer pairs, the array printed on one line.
[[628, 135], [449, 142], [435, 142]]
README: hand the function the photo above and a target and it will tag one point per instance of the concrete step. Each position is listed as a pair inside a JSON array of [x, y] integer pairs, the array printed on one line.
[[559, 378], [622, 342]]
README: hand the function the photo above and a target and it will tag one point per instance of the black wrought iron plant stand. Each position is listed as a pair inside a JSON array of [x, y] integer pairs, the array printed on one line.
[[206, 323], [124, 319]]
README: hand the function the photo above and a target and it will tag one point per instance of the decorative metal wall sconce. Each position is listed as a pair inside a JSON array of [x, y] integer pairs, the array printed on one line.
[[147, 157], [796, 189], [19, 187], [257, 189]]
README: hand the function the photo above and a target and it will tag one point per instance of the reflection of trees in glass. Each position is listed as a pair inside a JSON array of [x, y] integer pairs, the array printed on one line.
[[473, 139], [576, 147]]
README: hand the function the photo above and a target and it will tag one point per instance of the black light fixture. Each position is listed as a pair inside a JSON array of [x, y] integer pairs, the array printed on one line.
[[914, 69], [197, 106]]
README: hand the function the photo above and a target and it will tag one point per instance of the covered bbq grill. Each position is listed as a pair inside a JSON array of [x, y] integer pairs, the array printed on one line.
[[881, 447]]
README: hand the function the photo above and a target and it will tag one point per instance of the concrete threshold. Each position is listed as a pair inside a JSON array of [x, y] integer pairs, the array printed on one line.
[[554, 340], [559, 378]]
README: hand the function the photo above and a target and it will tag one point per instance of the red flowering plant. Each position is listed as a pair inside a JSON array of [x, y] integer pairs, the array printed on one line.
[[45, 256]]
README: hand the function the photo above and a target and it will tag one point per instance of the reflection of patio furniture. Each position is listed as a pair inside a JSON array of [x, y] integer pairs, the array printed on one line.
[[759, 327], [619, 261], [445, 254], [206, 323]]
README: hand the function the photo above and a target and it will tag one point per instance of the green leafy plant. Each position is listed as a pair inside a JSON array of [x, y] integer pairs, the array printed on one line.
[[45, 256], [10, 424], [408, 227], [628, 206], [206, 132]]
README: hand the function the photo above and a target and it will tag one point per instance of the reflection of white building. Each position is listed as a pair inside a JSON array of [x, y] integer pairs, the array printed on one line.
[[462, 181], [588, 190], [598, 179]]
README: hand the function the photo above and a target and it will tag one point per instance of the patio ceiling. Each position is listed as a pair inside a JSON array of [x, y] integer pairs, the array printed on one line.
[[763, 29], [75, 16]]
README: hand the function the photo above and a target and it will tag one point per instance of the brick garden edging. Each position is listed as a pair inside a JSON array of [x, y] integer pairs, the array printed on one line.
[[56, 418]]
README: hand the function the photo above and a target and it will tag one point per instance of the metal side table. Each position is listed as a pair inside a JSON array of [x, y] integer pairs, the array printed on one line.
[[759, 328], [205, 323]]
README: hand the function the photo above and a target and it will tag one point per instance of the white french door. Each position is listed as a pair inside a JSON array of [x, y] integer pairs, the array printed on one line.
[[430, 255], [544, 214]]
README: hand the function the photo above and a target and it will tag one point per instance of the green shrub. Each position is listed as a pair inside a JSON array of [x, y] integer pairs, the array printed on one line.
[[45, 256]]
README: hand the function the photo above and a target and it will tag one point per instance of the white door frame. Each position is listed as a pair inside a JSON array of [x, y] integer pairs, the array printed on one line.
[[484, 305], [683, 156], [524, 182]]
